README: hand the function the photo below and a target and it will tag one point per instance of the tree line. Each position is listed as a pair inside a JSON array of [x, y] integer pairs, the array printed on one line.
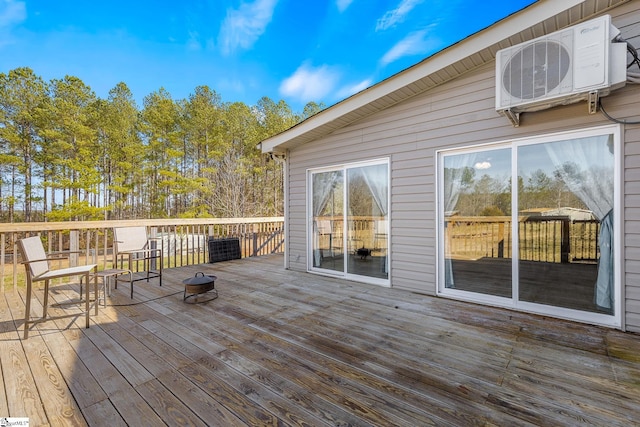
[[66, 154]]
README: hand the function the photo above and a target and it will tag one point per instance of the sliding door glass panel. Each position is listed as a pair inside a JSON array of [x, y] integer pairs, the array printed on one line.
[[367, 221], [477, 222], [565, 226], [327, 207]]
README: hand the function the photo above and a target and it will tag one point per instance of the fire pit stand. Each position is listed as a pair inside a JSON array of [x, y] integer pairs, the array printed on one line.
[[198, 285]]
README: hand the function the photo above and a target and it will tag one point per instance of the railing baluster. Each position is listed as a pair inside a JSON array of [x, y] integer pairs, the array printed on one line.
[[14, 240], [175, 246]]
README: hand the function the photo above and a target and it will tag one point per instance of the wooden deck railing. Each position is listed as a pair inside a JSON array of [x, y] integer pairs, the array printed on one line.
[[541, 238], [184, 241]]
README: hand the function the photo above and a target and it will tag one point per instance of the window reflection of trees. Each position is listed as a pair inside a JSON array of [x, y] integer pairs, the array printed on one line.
[[361, 201], [491, 196]]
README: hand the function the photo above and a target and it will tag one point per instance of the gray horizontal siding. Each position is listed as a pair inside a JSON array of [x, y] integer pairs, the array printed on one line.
[[627, 106], [455, 114]]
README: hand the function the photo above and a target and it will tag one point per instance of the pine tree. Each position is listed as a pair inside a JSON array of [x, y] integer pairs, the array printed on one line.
[[22, 97]]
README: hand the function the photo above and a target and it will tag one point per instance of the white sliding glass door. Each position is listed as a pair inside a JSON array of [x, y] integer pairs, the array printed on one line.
[[531, 224], [349, 221]]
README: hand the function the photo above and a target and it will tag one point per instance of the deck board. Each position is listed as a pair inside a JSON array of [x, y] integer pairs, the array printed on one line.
[[19, 384], [60, 406], [284, 348], [98, 413], [7, 332]]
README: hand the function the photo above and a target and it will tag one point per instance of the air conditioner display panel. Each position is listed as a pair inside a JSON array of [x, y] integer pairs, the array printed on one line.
[[591, 42]]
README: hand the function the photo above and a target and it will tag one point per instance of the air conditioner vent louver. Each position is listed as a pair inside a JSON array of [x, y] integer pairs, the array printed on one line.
[[560, 68], [536, 70]]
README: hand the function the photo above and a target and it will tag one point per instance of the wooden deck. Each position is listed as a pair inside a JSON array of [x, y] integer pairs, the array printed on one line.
[[286, 348]]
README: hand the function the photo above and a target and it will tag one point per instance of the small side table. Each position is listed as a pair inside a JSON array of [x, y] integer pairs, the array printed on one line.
[[108, 275]]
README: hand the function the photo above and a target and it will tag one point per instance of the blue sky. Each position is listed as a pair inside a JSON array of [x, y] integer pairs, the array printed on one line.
[[299, 51]]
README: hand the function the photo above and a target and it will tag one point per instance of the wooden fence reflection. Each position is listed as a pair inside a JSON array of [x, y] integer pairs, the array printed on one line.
[[541, 238]]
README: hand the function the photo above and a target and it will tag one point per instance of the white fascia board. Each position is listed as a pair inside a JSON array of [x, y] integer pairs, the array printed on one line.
[[514, 24]]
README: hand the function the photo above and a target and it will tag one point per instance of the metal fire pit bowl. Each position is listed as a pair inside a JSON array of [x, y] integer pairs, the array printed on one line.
[[198, 285]]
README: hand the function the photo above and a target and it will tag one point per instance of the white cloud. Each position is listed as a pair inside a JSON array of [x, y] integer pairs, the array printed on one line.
[[343, 4], [310, 83], [482, 165], [347, 91], [12, 12], [393, 17], [243, 26], [414, 44]]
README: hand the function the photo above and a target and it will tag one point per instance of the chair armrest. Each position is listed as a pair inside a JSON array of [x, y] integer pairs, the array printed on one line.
[[43, 259], [54, 256], [140, 251], [63, 254], [133, 251]]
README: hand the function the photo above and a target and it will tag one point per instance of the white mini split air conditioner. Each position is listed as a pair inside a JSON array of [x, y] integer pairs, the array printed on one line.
[[578, 63]]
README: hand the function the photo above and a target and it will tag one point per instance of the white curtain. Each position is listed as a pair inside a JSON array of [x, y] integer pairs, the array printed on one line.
[[454, 171], [586, 166], [323, 185], [376, 179]]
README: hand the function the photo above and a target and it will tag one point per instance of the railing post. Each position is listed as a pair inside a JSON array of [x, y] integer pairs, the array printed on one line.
[[153, 233], [255, 230], [14, 241], [565, 243], [74, 247], [501, 240]]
